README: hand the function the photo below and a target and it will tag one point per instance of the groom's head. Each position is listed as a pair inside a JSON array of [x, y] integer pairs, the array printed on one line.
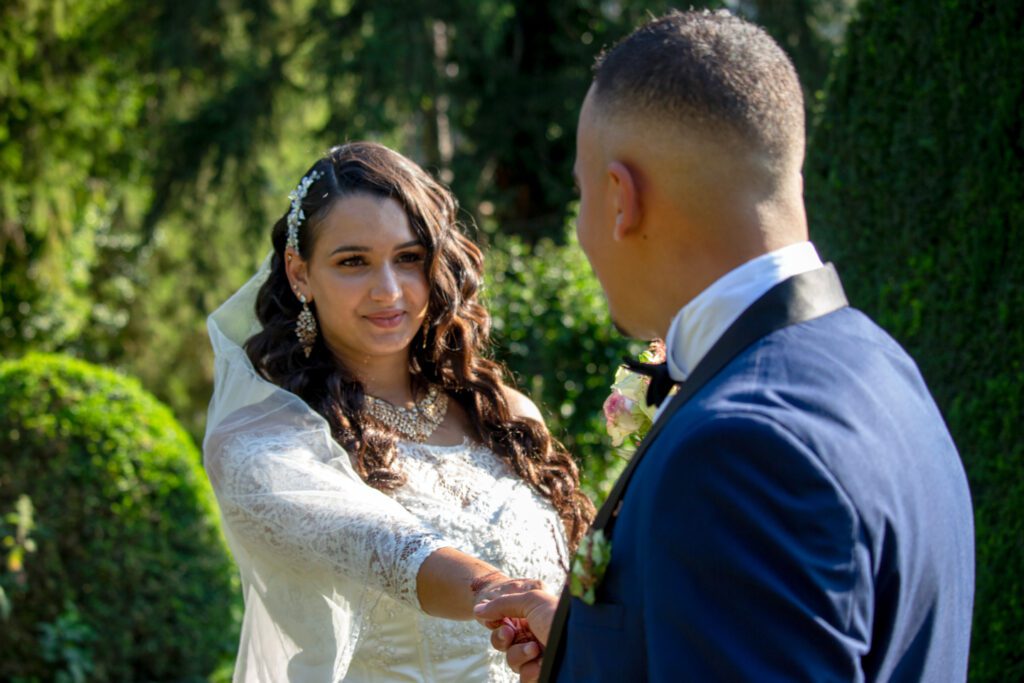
[[689, 155]]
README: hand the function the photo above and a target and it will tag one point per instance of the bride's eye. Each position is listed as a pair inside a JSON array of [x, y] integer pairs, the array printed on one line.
[[352, 261], [410, 257]]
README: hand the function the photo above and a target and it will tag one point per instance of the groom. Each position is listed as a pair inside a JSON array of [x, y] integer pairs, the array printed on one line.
[[799, 511]]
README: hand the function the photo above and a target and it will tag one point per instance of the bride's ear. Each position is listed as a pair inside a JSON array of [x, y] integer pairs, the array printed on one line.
[[298, 274], [625, 199]]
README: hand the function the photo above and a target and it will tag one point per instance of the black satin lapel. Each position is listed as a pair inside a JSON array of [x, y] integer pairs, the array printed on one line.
[[795, 300]]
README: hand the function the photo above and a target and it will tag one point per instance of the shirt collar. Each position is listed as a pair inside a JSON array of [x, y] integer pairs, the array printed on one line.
[[700, 323]]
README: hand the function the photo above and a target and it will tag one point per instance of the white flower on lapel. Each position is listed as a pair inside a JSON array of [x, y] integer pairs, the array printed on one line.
[[589, 565], [626, 413]]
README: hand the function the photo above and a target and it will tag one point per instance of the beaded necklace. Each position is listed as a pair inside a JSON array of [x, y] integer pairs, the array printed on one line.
[[416, 423]]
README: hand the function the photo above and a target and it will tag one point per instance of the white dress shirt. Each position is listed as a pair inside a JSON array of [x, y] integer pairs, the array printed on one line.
[[700, 323]]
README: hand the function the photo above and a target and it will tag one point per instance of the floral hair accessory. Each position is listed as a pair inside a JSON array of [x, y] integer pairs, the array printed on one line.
[[296, 215]]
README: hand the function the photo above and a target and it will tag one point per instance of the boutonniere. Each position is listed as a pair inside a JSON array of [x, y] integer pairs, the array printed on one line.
[[589, 565], [626, 413]]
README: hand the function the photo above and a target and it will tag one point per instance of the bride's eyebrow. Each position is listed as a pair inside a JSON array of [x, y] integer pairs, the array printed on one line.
[[356, 248], [338, 250]]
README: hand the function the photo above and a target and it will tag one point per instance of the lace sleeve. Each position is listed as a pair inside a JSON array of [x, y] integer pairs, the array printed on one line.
[[287, 502]]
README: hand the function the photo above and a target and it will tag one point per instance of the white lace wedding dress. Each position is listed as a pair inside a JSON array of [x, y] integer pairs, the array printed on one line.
[[328, 564]]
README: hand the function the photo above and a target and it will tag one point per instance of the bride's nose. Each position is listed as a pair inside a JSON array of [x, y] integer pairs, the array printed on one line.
[[386, 286]]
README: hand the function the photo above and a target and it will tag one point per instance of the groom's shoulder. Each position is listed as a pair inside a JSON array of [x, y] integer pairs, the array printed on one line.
[[831, 374], [846, 327], [843, 348]]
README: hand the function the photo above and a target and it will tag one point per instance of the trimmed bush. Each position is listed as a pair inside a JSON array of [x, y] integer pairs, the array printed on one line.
[[130, 579], [916, 191], [553, 331]]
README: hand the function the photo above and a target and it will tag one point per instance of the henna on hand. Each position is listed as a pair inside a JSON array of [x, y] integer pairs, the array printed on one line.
[[481, 582]]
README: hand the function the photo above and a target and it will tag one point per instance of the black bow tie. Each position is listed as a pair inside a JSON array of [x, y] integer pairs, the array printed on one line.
[[661, 381]]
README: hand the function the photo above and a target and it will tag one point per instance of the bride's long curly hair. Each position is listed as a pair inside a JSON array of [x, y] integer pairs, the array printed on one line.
[[448, 350]]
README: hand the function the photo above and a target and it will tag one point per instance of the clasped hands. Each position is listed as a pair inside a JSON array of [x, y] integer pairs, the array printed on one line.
[[519, 613]]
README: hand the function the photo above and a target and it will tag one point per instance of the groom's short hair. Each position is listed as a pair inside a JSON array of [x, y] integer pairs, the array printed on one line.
[[709, 69]]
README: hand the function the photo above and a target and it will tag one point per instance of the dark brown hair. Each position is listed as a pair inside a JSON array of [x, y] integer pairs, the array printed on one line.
[[712, 69], [447, 351]]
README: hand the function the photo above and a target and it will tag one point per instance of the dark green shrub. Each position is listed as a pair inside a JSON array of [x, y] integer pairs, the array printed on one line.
[[553, 331], [130, 579], [916, 190]]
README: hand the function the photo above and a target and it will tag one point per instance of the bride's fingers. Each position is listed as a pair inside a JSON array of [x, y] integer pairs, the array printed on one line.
[[507, 587], [515, 605], [518, 656]]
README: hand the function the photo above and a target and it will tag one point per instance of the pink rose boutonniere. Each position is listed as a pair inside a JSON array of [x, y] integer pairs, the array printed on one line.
[[627, 419], [627, 415]]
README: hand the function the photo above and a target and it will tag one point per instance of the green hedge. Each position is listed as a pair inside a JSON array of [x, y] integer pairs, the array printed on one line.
[[916, 191], [115, 566], [553, 331]]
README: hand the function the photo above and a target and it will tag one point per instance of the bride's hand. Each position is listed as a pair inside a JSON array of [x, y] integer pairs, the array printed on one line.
[[496, 584], [450, 583]]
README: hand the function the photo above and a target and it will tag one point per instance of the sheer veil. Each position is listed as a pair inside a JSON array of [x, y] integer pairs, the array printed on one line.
[[312, 541], [236, 384]]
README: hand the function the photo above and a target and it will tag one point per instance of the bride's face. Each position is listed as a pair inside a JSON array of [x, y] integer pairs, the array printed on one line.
[[367, 277]]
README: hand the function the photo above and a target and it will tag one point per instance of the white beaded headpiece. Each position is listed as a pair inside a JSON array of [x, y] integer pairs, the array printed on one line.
[[296, 215]]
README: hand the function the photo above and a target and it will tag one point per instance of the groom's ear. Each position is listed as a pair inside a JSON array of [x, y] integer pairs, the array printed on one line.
[[625, 199]]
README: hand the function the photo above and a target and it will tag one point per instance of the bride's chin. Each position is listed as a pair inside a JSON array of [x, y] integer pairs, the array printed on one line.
[[385, 345], [360, 351]]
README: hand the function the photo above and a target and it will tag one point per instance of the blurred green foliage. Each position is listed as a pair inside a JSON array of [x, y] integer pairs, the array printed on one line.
[[551, 322], [146, 147], [66, 645], [916, 189], [129, 578]]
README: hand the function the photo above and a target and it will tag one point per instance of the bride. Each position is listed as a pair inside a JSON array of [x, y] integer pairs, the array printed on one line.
[[375, 475]]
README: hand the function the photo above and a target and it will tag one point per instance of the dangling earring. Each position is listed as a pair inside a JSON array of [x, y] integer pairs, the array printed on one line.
[[426, 329], [305, 327]]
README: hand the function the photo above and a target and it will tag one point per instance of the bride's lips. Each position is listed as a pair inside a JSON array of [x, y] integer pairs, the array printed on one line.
[[386, 319]]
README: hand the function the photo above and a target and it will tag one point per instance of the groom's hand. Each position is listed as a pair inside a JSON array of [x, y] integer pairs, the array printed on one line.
[[522, 651], [536, 607], [515, 621]]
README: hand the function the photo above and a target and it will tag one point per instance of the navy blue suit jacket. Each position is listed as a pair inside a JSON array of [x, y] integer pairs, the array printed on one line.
[[803, 517]]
